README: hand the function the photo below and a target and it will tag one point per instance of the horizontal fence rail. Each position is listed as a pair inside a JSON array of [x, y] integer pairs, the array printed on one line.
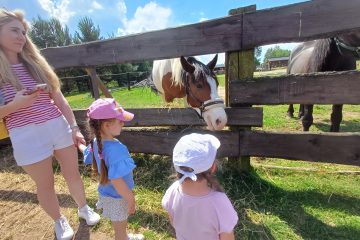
[[341, 148], [163, 142], [317, 88], [147, 117], [298, 22]]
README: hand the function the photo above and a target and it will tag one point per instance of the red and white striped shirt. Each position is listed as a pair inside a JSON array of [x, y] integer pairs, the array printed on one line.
[[41, 111]]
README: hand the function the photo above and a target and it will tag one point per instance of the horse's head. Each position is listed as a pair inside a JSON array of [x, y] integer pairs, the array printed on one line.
[[201, 91], [350, 41]]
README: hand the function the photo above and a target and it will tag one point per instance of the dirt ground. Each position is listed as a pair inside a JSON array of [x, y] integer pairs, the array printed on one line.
[[20, 215]]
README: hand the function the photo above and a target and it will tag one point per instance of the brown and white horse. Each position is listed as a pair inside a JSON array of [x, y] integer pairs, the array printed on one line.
[[188, 78]]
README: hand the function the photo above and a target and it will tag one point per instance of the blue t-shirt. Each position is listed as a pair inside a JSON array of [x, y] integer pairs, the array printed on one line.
[[119, 164]]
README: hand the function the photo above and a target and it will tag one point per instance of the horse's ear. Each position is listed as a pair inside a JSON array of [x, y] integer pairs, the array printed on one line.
[[211, 65], [186, 65]]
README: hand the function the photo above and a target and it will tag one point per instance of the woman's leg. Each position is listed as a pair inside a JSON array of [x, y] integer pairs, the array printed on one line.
[[120, 230], [43, 176], [68, 160]]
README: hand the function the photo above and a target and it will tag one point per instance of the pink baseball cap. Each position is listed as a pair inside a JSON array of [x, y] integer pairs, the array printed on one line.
[[107, 108]]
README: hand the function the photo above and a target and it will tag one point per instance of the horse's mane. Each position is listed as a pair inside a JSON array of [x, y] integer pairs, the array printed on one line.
[[322, 50], [179, 73]]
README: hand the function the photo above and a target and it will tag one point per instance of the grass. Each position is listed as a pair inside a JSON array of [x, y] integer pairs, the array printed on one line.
[[271, 203]]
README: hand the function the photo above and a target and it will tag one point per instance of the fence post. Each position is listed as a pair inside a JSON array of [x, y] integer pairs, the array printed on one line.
[[97, 83], [128, 80], [239, 66]]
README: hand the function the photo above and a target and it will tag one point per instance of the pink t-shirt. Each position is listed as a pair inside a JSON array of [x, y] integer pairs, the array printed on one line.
[[41, 111], [199, 218]]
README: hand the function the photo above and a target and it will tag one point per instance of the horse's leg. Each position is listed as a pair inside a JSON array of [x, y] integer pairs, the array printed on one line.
[[290, 111], [301, 111], [336, 118], [307, 119]]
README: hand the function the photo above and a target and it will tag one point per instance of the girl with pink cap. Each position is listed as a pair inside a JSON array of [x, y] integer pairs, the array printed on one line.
[[111, 160]]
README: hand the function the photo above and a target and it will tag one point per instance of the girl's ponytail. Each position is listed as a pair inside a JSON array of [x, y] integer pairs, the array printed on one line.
[[95, 124]]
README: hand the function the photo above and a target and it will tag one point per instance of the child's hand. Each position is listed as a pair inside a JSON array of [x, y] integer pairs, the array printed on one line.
[[81, 147], [131, 208]]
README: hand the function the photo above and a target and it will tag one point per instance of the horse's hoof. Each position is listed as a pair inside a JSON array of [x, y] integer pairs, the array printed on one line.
[[290, 115]]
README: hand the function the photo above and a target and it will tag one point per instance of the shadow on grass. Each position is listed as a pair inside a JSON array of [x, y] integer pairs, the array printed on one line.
[[83, 231], [154, 221], [346, 126], [250, 191]]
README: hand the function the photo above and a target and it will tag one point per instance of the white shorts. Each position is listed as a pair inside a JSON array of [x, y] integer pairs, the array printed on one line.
[[113, 208], [35, 142]]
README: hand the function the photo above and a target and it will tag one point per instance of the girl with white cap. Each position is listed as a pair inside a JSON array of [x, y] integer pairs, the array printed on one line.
[[197, 206]]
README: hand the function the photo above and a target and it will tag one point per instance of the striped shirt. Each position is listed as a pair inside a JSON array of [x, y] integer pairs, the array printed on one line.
[[42, 110]]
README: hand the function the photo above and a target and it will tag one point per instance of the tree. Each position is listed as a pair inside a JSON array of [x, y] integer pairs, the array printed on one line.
[[257, 54], [49, 33], [144, 66], [88, 31], [276, 52]]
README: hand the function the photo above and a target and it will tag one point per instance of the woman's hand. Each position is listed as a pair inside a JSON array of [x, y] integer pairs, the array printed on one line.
[[77, 137], [23, 100]]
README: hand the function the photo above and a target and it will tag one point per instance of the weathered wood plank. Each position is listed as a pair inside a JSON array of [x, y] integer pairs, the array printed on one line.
[[298, 22], [318, 88], [341, 148], [146, 117], [163, 142], [194, 39]]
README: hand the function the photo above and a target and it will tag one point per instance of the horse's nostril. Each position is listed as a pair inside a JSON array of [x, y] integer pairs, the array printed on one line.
[[218, 121]]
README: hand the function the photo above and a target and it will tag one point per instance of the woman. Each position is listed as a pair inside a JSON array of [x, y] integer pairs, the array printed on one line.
[[40, 124]]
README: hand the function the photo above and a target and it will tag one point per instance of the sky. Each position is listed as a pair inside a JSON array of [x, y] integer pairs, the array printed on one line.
[[124, 17]]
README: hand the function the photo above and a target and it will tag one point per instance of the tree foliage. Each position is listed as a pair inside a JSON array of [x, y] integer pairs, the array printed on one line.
[[257, 55], [87, 31], [276, 52], [49, 33]]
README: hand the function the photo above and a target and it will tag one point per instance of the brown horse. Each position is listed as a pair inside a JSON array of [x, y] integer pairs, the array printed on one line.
[[331, 54], [187, 77]]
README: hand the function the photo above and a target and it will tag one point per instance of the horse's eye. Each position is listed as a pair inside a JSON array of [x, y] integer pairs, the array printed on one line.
[[199, 86]]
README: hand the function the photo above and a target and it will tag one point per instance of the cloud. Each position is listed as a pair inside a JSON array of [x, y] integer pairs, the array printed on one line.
[[57, 9], [95, 6], [150, 17]]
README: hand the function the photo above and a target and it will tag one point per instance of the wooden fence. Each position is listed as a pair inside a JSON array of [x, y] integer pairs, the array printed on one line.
[[297, 22]]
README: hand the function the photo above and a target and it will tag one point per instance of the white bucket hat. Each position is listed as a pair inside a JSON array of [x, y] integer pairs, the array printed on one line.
[[196, 151]]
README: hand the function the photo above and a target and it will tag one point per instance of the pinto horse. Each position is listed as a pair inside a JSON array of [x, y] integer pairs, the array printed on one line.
[[188, 78], [331, 54]]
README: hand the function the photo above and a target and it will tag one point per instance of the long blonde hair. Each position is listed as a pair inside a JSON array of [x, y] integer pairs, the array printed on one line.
[[38, 67]]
